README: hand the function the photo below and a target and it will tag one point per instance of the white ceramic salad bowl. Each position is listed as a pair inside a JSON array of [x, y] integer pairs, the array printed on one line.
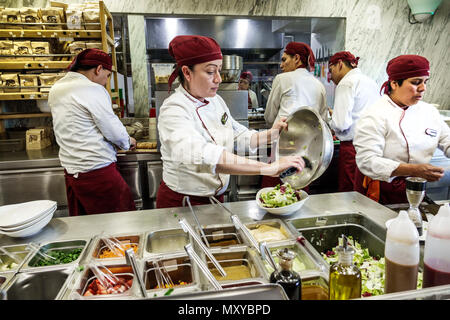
[[285, 210]]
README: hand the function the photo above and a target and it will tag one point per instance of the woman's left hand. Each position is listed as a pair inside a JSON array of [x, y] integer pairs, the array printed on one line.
[[280, 125]]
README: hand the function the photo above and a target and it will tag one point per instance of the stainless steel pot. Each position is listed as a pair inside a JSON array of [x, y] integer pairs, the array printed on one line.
[[308, 136], [231, 68], [232, 62]]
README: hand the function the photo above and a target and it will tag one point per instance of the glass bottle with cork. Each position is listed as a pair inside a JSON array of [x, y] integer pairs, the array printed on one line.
[[345, 277], [286, 276]]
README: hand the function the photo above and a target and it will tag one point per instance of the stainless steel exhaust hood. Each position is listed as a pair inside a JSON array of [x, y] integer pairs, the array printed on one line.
[[256, 39]]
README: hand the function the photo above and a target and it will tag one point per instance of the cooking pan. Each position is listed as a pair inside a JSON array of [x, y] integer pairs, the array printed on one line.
[[310, 137]]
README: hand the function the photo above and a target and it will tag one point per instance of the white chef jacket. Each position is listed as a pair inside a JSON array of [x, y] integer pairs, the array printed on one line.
[[253, 98], [84, 123], [382, 136], [293, 90], [353, 93], [193, 135]]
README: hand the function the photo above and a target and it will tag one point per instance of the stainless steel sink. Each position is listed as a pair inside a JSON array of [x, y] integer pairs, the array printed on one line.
[[44, 285], [323, 232]]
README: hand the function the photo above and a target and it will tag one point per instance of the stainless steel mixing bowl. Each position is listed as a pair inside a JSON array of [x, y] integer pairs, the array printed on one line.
[[308, 136]]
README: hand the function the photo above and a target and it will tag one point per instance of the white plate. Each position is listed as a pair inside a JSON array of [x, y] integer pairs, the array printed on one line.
[[18, 214], [31, 230], [282, 211], [28, 224]]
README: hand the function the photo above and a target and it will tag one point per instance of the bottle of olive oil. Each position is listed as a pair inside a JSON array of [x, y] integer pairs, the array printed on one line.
[[345, 277]]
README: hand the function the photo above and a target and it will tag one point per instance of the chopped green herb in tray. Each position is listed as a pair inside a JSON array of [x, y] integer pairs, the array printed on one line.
[[61, 257]]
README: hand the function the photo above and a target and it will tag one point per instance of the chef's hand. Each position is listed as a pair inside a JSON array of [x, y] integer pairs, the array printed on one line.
[[132, 143], [274, 169], [428, 172], [280, 125]]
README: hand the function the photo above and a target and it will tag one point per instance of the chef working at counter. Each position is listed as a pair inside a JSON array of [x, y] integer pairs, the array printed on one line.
[[398, 134], [197, 132], [295, 87], [292, 89], [354, 92], [87, 132], [244, 84]]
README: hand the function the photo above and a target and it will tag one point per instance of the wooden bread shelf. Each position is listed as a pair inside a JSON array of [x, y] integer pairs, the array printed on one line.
[[25, 115], [31, 64], [23, 33], [104, 34]]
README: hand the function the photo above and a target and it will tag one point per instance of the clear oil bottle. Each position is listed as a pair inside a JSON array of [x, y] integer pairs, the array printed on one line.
[[345, 277]]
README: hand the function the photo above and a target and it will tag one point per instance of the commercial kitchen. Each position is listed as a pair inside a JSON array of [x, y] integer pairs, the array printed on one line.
[[216, 250]]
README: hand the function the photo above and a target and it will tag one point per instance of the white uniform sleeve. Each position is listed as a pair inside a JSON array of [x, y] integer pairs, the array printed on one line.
[[254, 99], [179, 136], [341, 120], [324, 106], [108, 123], [273, 102], [444, 139], [369, 142], [242, 136]]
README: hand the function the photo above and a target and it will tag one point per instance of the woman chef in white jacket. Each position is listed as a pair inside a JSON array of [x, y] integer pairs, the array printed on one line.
[[397, 136], [198, 134]]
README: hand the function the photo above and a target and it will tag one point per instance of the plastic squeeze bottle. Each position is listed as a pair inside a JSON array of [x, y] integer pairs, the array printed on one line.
[[437, 250], [401, 253], [345, 277]]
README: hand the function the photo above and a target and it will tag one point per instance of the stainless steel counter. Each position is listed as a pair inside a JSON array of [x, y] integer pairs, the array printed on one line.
[[157, 219]]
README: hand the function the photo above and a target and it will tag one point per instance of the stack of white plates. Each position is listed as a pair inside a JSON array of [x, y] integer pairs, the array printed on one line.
[[26, 219]]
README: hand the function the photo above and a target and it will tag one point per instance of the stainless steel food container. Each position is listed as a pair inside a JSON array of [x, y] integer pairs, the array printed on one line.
[[178, 267], [64, 245], [323, 232], [20, 251], [82, 278], [43, 284], [235, 257], [275, 223], [220, 236], [98, 245], [165, 241]]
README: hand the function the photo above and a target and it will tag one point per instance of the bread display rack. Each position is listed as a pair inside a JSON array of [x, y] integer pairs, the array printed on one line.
[[101, 33]]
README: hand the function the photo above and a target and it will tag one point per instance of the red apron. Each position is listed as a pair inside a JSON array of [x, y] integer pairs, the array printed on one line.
[[381, 191], [98, 191], [346, 167], [167, 198]]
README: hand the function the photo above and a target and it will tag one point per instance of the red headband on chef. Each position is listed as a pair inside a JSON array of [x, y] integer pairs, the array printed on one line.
[[344, 56], [404, 67], [191, 50], [247, 75], [92, 57], [304, 51]]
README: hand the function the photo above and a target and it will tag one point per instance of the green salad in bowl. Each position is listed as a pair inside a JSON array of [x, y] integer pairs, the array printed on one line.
[[281, 199]]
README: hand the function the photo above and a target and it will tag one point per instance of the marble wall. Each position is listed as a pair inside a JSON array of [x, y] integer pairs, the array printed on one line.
[[376, 30]]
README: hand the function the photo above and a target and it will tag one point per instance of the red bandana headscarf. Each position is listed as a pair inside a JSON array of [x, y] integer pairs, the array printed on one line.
[[304, 51], [404, 67], [247, 75], [191, 50], [344, 56], [92, 57]]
